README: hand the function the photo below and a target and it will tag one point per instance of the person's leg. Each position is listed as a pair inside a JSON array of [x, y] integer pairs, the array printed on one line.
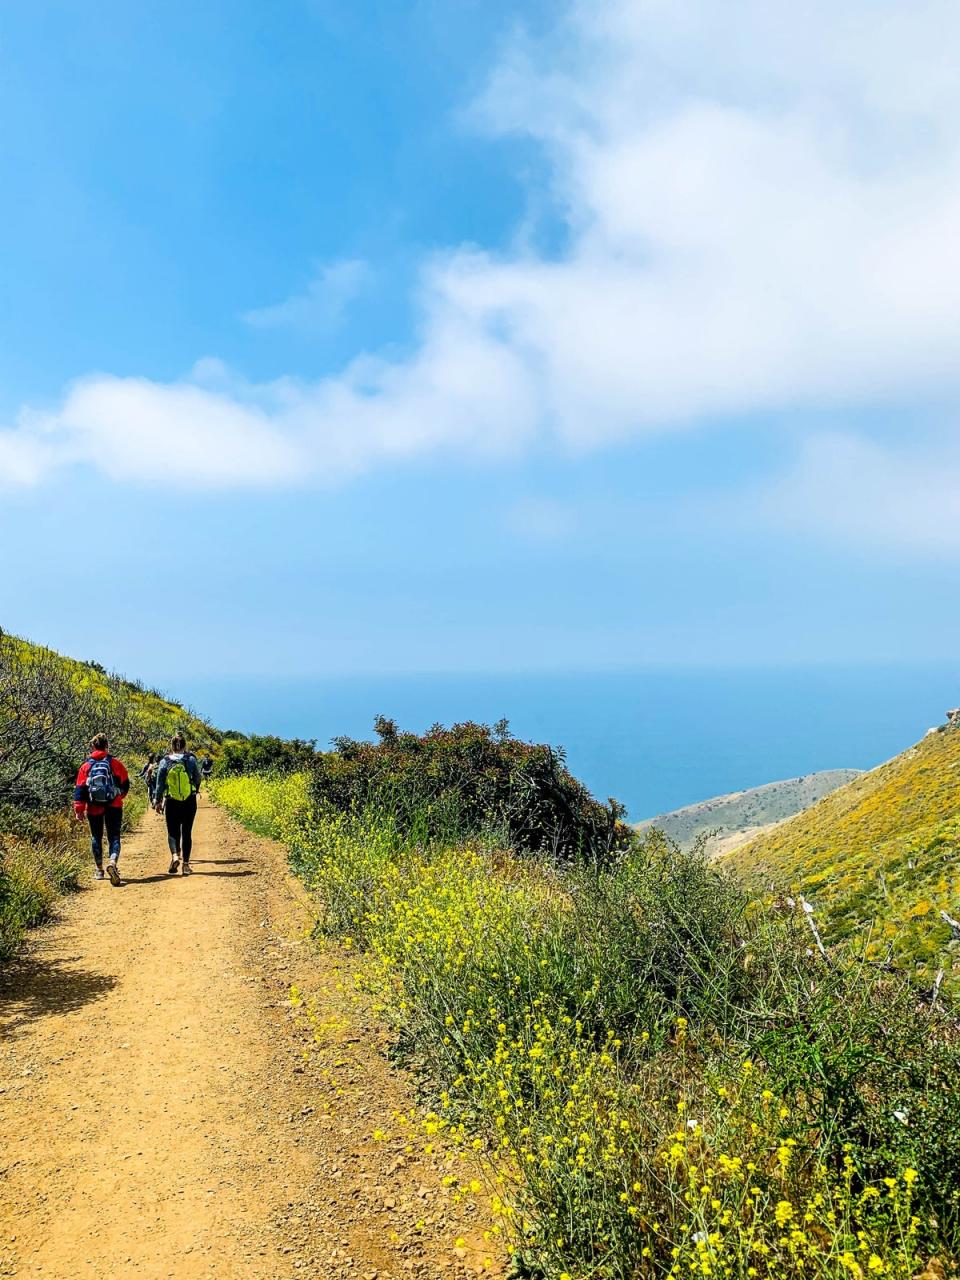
[[112, 819], [188, 814], [114, 822], [171, 814], [96, 837]]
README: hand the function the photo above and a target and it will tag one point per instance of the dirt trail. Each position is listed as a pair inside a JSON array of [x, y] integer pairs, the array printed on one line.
[[165, 1112]]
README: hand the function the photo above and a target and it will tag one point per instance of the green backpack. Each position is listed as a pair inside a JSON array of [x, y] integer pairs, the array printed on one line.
[[179, 786]]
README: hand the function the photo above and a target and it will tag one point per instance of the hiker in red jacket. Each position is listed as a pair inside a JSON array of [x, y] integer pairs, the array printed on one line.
[[101, 785]]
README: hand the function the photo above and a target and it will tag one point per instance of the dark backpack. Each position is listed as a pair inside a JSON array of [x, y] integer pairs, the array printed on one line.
[[101, 784]]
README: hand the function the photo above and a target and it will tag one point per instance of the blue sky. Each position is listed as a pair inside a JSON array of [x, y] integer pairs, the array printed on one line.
[[479, 336]]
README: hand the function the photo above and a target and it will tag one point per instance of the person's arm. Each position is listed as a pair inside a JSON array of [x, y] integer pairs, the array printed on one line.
[[195, 773], [81, 795], [161, 783]]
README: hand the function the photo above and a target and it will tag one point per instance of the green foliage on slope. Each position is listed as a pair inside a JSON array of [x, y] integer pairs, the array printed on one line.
[[50, 707], [263, 753], [665, 1078], [458, 782], [451, 784], [879, 859]]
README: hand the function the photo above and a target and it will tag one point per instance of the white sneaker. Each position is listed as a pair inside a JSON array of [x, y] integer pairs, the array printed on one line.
[[187, 869], [113, 871], [174, 866], [98, 873]]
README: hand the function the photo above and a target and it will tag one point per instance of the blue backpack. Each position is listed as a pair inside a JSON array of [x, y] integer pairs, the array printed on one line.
[[101, 784]]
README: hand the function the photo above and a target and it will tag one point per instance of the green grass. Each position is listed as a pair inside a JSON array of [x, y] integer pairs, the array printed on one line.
[[37, 870], [156, 715], [879, 859], [33, 874], [50, 707], [664, 1080]]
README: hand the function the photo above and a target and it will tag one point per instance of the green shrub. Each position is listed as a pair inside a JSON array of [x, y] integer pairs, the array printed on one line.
[[262, 754], [667, 1077], [33, 874], [458, 783]]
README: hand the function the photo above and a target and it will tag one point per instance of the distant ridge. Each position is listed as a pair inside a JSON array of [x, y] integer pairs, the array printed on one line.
[[740, 815]]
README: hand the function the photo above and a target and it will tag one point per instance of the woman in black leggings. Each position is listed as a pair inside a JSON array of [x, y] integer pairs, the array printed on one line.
[[178, 783]]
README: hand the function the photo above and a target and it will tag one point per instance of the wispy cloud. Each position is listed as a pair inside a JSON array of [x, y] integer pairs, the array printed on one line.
[[322, 306], [848, 488], [761, 205]]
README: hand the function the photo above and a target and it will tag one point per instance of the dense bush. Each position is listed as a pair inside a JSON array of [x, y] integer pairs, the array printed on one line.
[[456, 783], [257, 753], [447, 784], [667, 1077]]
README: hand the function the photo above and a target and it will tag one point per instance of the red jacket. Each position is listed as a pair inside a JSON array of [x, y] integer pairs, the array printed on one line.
[[81, 797]]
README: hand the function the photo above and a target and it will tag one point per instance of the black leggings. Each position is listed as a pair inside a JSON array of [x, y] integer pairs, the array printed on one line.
[[111, 818], [180, 815]]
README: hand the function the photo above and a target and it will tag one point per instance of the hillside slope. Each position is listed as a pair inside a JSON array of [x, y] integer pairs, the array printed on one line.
[[50, 706], [741, 812], [879, 858], [151, 715]]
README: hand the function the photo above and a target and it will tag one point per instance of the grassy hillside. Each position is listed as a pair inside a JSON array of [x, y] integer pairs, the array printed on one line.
[[742, 811], [146, 715], [50, 707], [880, 858]]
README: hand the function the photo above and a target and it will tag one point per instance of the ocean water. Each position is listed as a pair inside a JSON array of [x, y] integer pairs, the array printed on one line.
[[654, 739]]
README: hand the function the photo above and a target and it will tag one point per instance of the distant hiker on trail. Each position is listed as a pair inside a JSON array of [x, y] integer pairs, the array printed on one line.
[[206, 766], [175, 796], [149, 773], [102, 782]]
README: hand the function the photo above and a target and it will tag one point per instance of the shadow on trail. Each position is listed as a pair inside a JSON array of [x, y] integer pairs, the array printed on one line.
[[33, 987], [230, 874], [216, 862], [134, 880]]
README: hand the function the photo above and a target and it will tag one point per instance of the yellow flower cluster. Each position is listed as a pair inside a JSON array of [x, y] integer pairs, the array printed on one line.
[[763, 1212], [607, 1159], [273, 806]]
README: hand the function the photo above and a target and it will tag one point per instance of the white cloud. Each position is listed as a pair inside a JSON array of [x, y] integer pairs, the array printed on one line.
[[24, 460], [763, 212], [132, 429], [761, 203], [215, 429], [904, 497], [322, 306]]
